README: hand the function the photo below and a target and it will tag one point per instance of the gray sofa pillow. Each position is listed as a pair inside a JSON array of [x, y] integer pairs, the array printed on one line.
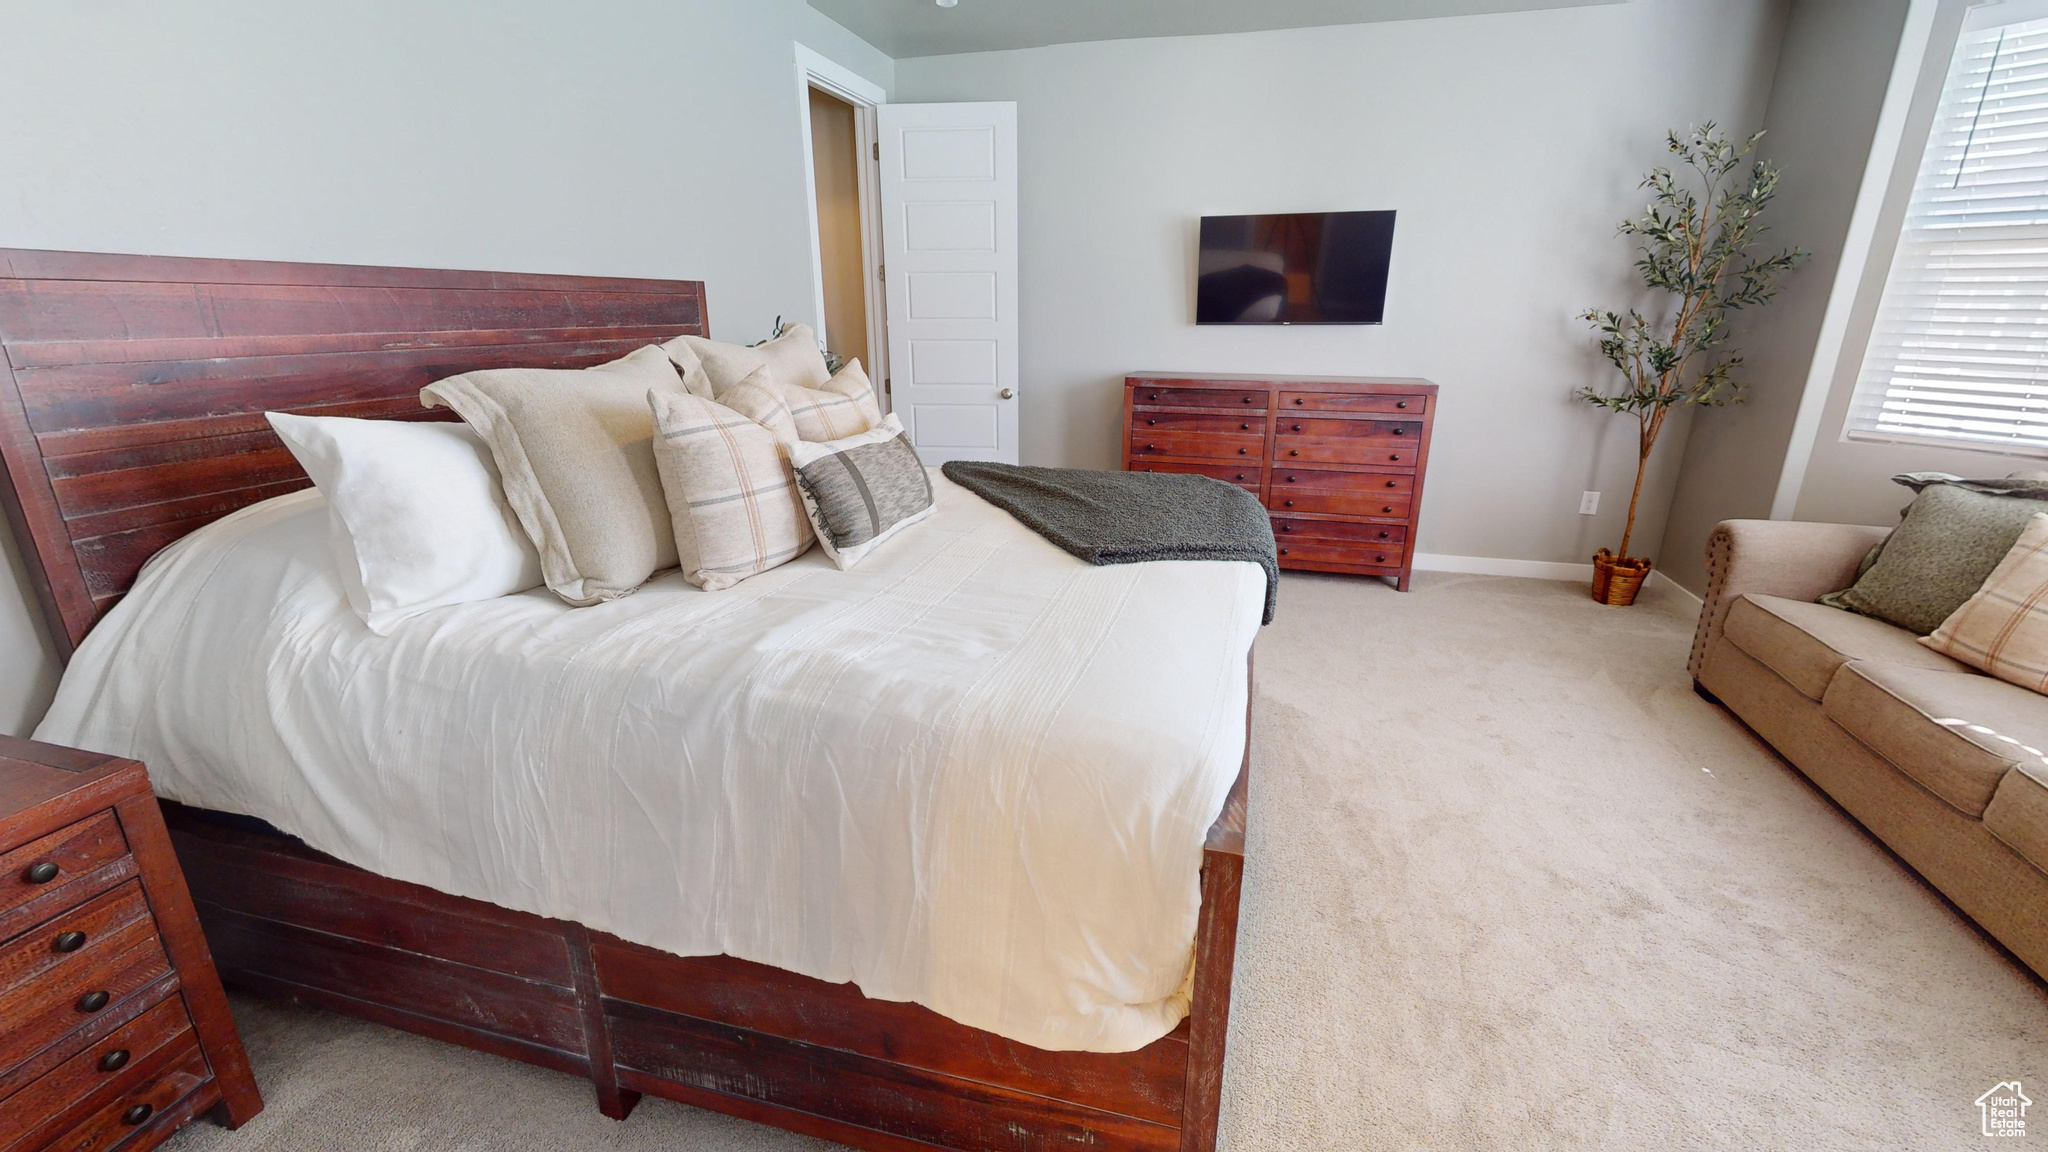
[[1954, 533]]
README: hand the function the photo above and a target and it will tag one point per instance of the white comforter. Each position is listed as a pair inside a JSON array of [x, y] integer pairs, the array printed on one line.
[[973, 772]]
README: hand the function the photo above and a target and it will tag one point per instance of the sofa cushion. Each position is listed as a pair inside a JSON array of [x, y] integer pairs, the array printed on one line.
[[1805, 643], [2018, 814], [1957, 733]]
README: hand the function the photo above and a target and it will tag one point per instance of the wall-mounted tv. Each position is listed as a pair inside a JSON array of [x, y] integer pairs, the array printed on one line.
[[1294, 268]]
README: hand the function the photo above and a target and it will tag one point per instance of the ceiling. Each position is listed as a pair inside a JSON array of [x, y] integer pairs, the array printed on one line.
[[906, 28]]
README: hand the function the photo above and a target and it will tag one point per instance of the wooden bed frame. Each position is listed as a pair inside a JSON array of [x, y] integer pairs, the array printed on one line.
[[131, 412]]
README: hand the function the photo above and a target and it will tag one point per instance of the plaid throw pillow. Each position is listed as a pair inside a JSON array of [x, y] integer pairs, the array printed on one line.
[[840, 407], [730, 494], [861, 490], [2003, 629]]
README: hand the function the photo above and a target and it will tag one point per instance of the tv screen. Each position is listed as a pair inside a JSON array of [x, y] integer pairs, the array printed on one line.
[[1295, 268]]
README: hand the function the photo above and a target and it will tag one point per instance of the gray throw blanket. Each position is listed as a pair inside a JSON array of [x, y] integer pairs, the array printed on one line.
[[1130, 517]]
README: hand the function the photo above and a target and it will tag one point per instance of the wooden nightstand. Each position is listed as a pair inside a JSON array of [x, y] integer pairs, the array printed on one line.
[[114, 1032]]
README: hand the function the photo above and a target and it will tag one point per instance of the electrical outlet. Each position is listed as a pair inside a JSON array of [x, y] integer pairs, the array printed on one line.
[[1589, 503]]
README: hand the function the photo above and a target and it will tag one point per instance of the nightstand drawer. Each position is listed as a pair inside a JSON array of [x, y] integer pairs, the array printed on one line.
[[30, 1115], [152, 1091], [52, 981], [53, 861]]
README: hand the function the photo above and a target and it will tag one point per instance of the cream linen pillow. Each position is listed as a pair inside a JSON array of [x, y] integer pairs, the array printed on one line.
[[862, 490], [2003, 628], [792, 359], [735, 506], [416, 518], [694, 377], [575, 449], [758, 399], [842, 406]]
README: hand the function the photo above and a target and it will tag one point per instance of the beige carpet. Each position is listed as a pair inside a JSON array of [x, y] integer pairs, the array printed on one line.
[[1510, 885]]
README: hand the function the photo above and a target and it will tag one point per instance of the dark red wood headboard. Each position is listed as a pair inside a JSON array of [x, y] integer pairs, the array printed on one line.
[[133, 388]]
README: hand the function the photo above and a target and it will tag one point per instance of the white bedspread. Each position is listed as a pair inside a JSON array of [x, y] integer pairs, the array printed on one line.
[[974, 772]]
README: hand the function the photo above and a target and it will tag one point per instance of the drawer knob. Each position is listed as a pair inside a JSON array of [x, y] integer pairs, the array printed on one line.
[[92, 1001], [1240, 475], [136, 1114], [1388, 508], [1151, 421], [1395, 456], [114, 1061], [1294, 451], [1400, 403], [1149, 448], [1297, 400], [1247, 399], [1242, 451], [1153, 396], [1379, 559], [1283, 551], [1390, 483], [1397, 430], [1244, 427], [1290, 504], [1287, 527], [1383, 535], [68, 941], [1290, 479], [41, 873]]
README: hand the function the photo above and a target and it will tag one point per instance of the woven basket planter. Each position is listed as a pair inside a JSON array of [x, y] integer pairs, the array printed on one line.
[[1616, 579]]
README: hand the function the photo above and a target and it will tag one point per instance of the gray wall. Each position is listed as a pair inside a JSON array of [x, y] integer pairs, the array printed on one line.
[[1510, 144], [631, 139], [1825, 97]]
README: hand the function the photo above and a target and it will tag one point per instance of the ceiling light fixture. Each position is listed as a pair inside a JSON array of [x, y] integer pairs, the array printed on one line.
[[949, 3]]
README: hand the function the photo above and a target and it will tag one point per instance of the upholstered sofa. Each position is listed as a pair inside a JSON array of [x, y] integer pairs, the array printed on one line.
[[1947, 766]]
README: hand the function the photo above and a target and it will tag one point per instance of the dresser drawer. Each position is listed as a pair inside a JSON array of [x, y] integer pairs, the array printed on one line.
[[45, 991], [1289, 528], [1348, 402], [28, 1115], [1248, 399], [152, 1092], [1309, 439], [1243, 475], [1204, 437], [49, 863], [1382, 494], [1340, 552]]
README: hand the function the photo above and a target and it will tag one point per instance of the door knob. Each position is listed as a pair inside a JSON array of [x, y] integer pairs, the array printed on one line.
[[1007, 394]]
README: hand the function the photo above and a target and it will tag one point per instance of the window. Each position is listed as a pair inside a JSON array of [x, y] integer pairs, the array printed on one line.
[[1959, 353]]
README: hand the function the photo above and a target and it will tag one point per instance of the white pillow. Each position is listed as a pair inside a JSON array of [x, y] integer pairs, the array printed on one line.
[[416, 516]]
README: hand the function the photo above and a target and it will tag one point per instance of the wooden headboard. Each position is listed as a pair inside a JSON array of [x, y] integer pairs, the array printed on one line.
[[133, 387]]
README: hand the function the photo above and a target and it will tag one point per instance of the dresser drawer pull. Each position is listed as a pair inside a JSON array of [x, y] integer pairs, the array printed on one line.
[[1400, 403], [1153, 396], [1247, 399], [1392, 484], [1290, 503], [41, 873], [1379, 559], [68, 941], [1240, 475], [1283, 551], [1395, 456], [1150, 448], [136, 1114], [1287, 527], [1290, 479], [1244, 427], [1151, 421], [92, 1001], [1243, 451], [114, 1061], [1297, 427], [1383, 535], [1294, 451], [1297, 399], [1388, 508], [1398, 430]]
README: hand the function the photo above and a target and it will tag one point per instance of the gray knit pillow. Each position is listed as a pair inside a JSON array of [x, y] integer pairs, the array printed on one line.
[[861, 490], [1954, 533]]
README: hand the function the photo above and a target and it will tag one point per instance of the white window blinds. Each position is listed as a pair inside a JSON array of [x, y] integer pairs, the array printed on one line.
[[1959, 353]]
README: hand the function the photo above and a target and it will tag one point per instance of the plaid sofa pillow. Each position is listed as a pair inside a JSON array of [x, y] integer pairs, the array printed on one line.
[[840, 407], [2003, 628], [862, 489], [730, 493]]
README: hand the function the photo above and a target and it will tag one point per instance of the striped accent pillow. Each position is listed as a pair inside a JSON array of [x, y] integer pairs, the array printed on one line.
[[2003, 629], [730, 493], [758, 399], [840, 407], [861, 490]]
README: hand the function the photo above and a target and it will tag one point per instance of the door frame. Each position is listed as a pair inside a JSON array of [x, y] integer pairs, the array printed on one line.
[[814, 70]]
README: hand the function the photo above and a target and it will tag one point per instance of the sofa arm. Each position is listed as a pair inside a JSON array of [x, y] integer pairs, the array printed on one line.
[[1789, 558]]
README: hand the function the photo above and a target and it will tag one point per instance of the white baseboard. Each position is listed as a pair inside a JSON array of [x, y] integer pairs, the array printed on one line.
[[1529, 569]]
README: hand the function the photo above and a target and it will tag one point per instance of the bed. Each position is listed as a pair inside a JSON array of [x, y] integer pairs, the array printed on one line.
[[131, 417]]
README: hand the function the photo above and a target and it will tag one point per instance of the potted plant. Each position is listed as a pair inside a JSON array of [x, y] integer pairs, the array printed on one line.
[[1695, 242]]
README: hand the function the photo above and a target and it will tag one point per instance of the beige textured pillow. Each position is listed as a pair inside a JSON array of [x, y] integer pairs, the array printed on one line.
[[2003, 629], [575, 449], [694, 377], [730, 491], [792, 359], [842, 406], [758, 399]]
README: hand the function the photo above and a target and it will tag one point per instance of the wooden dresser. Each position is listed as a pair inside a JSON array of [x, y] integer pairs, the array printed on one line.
[[1337, 460], [114, 1032]]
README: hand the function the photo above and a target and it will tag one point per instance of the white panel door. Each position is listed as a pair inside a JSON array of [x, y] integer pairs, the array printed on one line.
[[949, 259]]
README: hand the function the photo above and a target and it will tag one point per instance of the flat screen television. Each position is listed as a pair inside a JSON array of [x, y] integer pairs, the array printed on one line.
[[1294, 268]]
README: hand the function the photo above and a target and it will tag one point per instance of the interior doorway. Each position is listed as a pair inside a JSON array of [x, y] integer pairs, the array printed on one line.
[[837, 108], [835, 173]]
